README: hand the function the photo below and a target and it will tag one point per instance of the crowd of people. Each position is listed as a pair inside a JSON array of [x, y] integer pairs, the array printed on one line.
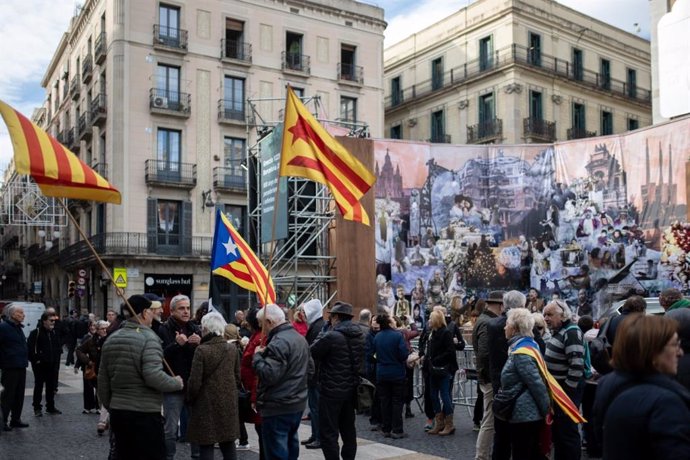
[[545, 376]]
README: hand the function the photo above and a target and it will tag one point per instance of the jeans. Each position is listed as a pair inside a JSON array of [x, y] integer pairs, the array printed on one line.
[[337, 416], [138, 435], [392, 397], [227, 449], [313, 394], [172, 407], [12, 400], [565, 433], [44, 375], [486, 432], [279, 436], [441, 387]]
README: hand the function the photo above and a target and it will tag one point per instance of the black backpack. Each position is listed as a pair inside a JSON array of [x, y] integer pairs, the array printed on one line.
[[600, 351]]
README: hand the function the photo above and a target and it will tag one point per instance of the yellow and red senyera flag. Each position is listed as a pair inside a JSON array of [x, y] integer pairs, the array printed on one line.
[[309, 151], [57, 171]]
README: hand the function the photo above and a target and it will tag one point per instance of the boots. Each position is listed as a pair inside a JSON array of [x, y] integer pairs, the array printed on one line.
[[448, 426], [438, 424]]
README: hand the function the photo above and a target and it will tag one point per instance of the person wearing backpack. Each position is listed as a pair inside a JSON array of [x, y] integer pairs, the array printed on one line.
[[565, 361]]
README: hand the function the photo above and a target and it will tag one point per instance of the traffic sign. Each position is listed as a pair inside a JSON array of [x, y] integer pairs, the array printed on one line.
[[82, 273], [120, 275], [81, 281]]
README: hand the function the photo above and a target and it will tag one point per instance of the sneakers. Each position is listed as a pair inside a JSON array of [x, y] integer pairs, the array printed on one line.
[[239, 446], [429, 424], [38, 413], [53, 411]]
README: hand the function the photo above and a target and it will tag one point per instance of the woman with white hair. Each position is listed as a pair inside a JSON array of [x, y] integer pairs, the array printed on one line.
[[522, 387], [212, 391], [89, 359]]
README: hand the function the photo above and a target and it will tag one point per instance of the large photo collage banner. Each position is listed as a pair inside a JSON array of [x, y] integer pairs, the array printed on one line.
[[592, 221]]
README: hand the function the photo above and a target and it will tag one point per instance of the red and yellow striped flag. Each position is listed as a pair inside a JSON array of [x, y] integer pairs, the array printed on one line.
[[310, 151], [232, 258], [57, 171], [557, 393]]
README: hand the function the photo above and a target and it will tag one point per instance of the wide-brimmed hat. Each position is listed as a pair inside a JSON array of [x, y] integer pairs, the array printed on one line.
[[495, 297], [342, 308]]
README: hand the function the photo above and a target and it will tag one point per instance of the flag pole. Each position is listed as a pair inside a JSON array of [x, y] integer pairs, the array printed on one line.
[[118, 291]]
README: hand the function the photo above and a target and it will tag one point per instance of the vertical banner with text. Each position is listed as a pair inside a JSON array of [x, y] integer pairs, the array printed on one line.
[[270, 164]]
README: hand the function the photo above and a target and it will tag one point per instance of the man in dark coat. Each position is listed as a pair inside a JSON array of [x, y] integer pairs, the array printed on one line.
[[14, 358], [338, 353], [313, 311], [44, 354], [180, 338]]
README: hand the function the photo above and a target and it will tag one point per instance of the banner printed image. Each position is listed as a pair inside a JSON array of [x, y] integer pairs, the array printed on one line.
[[566, 219]]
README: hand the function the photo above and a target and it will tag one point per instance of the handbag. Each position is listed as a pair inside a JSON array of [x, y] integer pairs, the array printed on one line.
[[90, 371], [244, 405], [503, 405]]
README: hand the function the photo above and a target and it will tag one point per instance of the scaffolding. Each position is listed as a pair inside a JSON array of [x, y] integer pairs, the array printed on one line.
[[301, 265]]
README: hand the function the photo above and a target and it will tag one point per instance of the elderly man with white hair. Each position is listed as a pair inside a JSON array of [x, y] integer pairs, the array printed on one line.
[[281, 367], [565, 361]]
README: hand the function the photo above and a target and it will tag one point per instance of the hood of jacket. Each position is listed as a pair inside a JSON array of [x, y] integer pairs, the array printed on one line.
[[313, 310]]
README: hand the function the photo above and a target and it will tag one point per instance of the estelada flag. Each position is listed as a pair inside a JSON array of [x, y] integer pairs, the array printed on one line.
[[310, 151], [557, 393], [232, 258], [57, 171]]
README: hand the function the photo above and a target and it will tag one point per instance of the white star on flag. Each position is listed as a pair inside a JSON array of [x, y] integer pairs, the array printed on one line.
[[230, 247]]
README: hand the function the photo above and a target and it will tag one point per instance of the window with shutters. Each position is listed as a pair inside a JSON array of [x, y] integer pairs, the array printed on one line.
[[169, 224]]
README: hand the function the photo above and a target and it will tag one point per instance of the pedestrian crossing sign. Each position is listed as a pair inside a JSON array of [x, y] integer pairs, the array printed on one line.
[[120, 276]]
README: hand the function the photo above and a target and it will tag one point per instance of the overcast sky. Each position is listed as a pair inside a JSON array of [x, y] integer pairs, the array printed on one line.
[[30, 31]]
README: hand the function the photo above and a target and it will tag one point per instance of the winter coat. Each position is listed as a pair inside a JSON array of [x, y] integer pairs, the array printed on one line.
[[178, 357], [313, 332], [338, 353], [44, 347], [15, 354], [521, 375], [247, 373], [282, 372], [391, 356], [90, 351], [300, 327], [480, 343], [498, 349], [131, 375], [441, 351], [212, 392], [370, 355], [642, 418]]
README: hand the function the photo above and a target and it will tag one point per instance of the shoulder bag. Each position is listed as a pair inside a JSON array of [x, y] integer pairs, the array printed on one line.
[[503, 405]]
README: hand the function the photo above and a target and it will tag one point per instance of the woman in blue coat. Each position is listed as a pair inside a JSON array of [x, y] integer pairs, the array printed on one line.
[[640, 412]]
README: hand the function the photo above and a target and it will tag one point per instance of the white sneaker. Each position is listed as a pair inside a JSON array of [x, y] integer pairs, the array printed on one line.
[[239, 446]]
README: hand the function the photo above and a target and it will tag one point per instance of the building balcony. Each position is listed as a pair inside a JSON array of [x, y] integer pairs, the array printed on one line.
[[170, 174], [549, 66], [580, 133], [87, 69], [173, 103], [233, 178], [440, 139], [139, 245], [61, 136], [34, 254], [485, 132], [539, 130], [75, 88], [294, 62], [85, 131], [69, 141], [73, 139], [100, 48], [236, 51], [228, 112], [350, 73], [170, 38], [101, 169], [98, 110]]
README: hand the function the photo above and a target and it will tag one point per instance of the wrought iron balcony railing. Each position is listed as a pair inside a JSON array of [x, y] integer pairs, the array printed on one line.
[[231, 111], [236, 50], [485, 131], [100, 48], [98, 109], [580, 133], [75, 87], [350, 72], [539, 129], [440, 139], [168, 102], [230, 178], [170, 37], [85, 131], [171, 174], [87, 69], [295, 62]]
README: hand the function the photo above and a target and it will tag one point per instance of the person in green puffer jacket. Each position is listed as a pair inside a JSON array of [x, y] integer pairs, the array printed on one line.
[[672, 299]]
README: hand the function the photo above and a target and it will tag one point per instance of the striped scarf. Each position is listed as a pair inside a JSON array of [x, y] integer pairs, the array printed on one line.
[[527, 346]]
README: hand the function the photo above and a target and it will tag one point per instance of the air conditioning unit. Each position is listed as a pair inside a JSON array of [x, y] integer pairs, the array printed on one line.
[[160, 102]]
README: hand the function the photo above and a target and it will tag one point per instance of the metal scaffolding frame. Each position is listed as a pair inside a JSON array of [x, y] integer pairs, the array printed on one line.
[[301, 266]]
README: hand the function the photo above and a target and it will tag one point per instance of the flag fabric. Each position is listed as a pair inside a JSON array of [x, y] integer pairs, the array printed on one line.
[[57, 171], [557, 393], [309, 151], [233, 259]]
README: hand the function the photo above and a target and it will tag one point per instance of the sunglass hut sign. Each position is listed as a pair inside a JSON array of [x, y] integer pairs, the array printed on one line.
[[168, 280]]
